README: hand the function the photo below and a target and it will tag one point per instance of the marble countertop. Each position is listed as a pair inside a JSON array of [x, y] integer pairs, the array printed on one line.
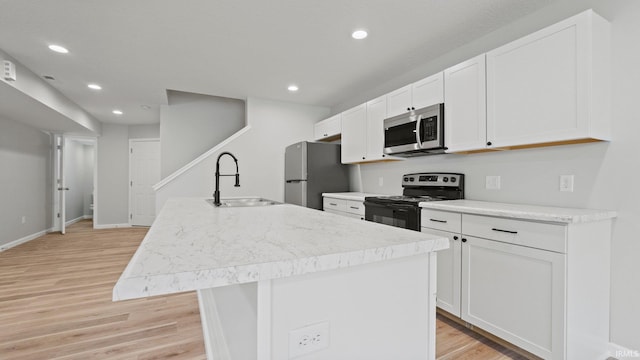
[[524, 212], [355, 196], [193, 245]]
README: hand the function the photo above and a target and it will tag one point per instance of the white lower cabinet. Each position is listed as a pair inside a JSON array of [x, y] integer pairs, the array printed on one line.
[[516, 293], [349, 208], [543, 287]]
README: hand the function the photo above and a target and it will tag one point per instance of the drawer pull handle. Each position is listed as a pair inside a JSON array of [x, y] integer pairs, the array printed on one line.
[[440, 221], [333, 204], [354, 207], [505, 231]]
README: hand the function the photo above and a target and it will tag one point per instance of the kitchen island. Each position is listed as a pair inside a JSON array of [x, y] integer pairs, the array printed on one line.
[[281, 281]]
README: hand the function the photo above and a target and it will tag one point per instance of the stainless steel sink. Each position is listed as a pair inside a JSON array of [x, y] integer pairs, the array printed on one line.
[[245, 202]]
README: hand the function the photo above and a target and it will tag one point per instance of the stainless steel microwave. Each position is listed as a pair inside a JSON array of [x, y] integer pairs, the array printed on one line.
[[417, 132]]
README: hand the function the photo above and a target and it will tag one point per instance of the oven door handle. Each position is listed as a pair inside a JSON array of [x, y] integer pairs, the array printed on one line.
[[418, 137]]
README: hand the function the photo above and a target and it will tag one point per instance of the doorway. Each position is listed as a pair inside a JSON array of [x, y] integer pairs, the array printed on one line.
[[75, 182]]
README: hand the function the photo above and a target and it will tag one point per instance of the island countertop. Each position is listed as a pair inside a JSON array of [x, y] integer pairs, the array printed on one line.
[[521, 211], [193, 245]]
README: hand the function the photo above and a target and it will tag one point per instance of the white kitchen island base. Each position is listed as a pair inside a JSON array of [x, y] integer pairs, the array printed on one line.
[[383, 310]]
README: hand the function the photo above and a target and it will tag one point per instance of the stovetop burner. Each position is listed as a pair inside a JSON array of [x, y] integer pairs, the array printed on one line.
[[421, 187]]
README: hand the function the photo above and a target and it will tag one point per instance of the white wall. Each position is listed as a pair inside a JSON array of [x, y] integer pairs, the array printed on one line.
[[112, 198], [192, 124], [74, 163], [144, 131], [26, 181], [260, 153], [88, 175], [605, 173]]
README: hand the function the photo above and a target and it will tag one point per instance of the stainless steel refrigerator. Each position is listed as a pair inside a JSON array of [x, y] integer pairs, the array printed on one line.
[[310, 169]]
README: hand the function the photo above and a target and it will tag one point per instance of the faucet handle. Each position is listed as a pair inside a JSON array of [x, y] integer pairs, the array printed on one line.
[[237, 180]]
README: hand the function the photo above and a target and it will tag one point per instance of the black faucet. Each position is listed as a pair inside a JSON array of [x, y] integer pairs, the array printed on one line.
[[216, 193]]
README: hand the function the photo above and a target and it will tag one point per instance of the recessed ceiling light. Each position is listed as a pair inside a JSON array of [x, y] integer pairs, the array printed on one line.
[[293, 88], [117, 112], [145, 107], [359, 34], [58, 49], [94, 87]]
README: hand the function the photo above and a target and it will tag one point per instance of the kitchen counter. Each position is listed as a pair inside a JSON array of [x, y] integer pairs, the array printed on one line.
[[264, 274], [193, 245], [355, 196], [523, 212]]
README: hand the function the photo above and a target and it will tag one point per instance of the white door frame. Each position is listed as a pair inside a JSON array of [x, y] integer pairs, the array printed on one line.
[[131, 141]]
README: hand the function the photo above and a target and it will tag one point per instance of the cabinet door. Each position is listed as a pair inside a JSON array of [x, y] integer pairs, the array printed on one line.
[[428, 91], [399, 101], [539, 87], [328, 128], [376, 113], [465, 119], [449, 268], [354, 134], [516, 293]]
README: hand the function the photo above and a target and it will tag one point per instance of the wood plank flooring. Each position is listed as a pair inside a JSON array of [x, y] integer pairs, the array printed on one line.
[[55, 303]]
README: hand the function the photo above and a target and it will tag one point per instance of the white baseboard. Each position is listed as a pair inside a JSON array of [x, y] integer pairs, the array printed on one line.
[[622, 353], [86, 217], [111, 226], [71, 222], [23, 240]]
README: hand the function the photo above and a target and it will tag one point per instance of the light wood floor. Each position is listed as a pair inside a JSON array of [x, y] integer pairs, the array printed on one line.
[[55, 303]]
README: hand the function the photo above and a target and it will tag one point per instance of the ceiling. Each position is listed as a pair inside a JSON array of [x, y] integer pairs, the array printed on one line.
[[136, 50]]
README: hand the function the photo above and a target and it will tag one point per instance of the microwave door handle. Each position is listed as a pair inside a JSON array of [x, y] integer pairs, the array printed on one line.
[[418, 139]]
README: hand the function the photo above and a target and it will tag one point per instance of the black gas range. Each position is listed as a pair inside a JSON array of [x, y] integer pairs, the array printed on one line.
[[404, 211]]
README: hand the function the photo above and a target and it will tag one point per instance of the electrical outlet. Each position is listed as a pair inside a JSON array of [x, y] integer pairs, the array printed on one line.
[[566, 183], [24, 219], [492, 182], [380, 181], [308, 339]]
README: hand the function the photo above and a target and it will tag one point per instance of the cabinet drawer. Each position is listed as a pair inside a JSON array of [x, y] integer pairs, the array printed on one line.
[[440, 220], [334, 204], [543, 236], [355, 207]]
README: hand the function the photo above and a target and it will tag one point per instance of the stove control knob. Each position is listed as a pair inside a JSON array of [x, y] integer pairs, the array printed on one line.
[[453, 179], [411, 179], [406, 179], [445, 179]]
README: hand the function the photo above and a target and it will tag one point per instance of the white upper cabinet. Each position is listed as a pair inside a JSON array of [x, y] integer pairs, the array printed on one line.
[[465, 116], [354, 135], [363, 132], [328, 129], [426, 92], [551, 86], [376, 113], [399, 101]]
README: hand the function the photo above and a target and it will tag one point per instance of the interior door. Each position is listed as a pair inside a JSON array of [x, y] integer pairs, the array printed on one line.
[[144, 162]]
